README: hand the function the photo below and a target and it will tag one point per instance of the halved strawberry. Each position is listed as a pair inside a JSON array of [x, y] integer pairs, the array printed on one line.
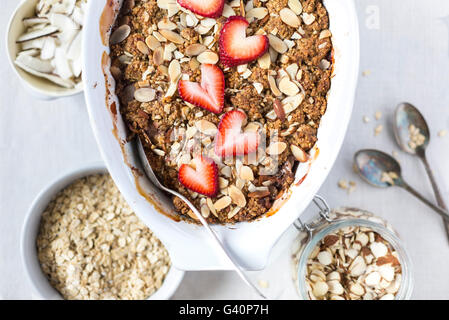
[[209, 94], [235, 47], [230, 140], [205, 8], [202, 178]]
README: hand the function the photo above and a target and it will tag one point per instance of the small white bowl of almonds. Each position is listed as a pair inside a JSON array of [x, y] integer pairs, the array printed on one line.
[[356, 256], [44, 41], [81, 241]]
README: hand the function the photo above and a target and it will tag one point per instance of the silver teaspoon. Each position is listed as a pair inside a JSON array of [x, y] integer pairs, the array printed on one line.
[[407, 119], [150, 174], [382, 170]]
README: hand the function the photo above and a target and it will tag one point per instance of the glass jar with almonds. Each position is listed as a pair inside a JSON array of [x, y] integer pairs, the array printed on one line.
[[350, 254]]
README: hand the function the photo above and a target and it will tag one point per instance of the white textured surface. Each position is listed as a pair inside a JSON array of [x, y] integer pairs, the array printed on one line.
[[408, 57]]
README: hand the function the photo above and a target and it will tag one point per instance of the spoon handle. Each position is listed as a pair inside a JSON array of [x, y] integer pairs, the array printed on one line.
[[214, 235], [438, 210], [436, 188]]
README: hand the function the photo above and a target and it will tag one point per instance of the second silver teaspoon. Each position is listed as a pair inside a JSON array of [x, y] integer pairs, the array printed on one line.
[[382, 170], [413, 136]]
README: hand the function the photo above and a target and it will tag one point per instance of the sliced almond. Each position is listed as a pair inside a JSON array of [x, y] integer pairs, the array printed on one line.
[[120, 34], [145, 94], [174, 71], [166, 24], [152, 42], [325, 34], [211, 206], [205, 211], [208, 57], [277, 44], [246, 173], [234, 212], [257, 13], [158, 56], [290, 18], [295, 6], [142, 47], [195, 49], [172, 36], [288, 87], [222, 203], [299, 153], [265, 61], [237, 196], [206, 127], [308, 18], [276, 148], [273, 86]]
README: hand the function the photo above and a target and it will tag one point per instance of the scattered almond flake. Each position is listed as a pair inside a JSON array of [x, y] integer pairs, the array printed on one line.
[[299, 154], [145, 94], [166, 24], [263, 284], [237, 196], [378, 130], [159, 152], [208, 57], [273, 86], [290, 18], [366, 73], [442, 133], [228, 11], [257, 13], [343, 184], [174, 71], [324, 64], [378, 115], [276, 148], [417, 139], [211, 206], [222, 203], [233, 212], [158, 56], [258, 86], [246, 173], [172, 36], [89, 224], [206, 127], [308, 18], [277, 44], [195, 49], [288, 87], [120, 34], [352, 187], [366, 119], [295, 6], [152, 42], [325, 34]]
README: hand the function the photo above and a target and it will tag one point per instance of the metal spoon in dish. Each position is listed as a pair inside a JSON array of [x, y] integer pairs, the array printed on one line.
[[382, 170], [150, 174], [408, 118]]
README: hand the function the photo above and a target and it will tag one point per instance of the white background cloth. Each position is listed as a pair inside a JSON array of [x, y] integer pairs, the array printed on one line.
[[404, 48]]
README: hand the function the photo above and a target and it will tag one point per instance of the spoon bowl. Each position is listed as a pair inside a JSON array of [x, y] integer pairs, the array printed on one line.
[[406, 116], [372, 165]]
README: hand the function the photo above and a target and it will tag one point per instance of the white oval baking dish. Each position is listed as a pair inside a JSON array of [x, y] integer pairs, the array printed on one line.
[[189, 246]]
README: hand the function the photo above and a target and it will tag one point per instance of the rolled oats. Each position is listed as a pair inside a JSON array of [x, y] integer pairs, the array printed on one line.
[[92, 246]]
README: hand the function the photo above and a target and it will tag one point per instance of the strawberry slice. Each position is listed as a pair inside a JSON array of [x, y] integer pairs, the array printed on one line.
[[235, 47], [202, 178], [230, 140], [209, 94], [205, 8]]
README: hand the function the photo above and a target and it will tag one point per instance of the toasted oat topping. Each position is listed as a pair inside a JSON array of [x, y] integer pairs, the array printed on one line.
[[283, 94], [92, 246]]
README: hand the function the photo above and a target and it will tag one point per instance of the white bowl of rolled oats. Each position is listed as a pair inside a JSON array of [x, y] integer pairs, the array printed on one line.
[[80, 240]]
